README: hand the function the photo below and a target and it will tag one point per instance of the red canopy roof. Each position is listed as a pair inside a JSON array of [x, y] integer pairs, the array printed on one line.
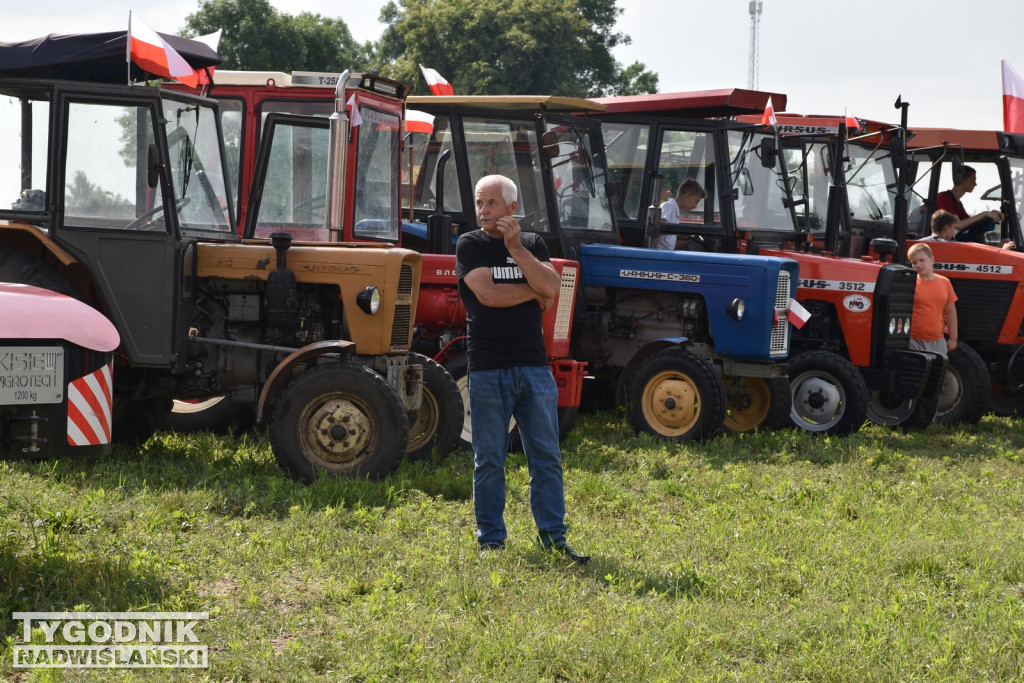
[[696, 104]]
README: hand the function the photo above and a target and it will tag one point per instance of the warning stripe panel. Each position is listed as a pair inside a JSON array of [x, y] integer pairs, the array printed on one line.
[[90, 407]]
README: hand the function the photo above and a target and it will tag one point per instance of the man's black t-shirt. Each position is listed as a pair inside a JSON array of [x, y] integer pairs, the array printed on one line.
[[500, 337]]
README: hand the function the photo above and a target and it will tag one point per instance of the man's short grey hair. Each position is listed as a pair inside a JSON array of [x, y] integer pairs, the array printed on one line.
[[509, 192]]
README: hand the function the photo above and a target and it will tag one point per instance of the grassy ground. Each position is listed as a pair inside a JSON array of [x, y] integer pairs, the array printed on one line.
[[884, 556]]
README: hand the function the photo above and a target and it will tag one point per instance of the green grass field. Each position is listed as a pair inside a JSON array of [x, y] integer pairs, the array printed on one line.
[[885, 556]]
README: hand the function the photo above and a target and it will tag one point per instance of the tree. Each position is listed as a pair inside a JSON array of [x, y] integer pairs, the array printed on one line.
[[561, 47], [259, 38]]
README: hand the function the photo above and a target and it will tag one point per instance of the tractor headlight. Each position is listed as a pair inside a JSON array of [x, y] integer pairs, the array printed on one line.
[[369, 299], [906, 328], [736, 308], [892, 325]]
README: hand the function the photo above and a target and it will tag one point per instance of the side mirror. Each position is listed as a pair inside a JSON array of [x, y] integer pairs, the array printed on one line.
[[957, 169], [898, 151], [769, 153], [152, 166]]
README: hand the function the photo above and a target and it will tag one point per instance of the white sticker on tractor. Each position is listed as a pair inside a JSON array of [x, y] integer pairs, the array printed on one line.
[[656, 275], [975, 268], [837, 285], [856, 303]]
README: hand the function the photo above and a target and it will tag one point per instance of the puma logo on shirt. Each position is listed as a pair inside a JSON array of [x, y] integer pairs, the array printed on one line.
[[506, 273]]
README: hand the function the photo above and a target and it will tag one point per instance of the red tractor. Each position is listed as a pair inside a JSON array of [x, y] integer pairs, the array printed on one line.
[[851, 359]]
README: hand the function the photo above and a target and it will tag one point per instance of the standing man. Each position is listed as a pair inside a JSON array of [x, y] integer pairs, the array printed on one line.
[[506, 280], [979, 223], [687, 198]]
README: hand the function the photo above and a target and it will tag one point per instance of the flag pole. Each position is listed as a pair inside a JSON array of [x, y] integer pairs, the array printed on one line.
[[128, 48]]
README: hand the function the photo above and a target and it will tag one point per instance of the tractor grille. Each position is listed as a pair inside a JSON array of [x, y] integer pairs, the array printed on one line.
[[899, 306], [780, 330], [401, 328], [983, 306]]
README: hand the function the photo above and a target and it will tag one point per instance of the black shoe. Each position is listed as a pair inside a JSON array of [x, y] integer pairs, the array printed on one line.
[[578, 558], [487, 549]]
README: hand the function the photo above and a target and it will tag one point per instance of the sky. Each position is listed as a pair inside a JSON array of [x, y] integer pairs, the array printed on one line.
[[942, 57]]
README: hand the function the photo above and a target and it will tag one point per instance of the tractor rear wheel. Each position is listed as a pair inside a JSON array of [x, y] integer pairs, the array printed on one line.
[[439, 419], [341, 419], [756, 403], [966, 388]]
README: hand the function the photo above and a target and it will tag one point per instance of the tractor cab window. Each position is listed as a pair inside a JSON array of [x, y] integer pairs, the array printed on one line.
[[1017, 181], [759, 185], [689, 155], [198, 177], [579, 182], [376, 212], [232, 110], [294, 197], [809, 167], [23, 166], [870, 183], [422, 171], [106, 180], [510, 148], [626, 146]]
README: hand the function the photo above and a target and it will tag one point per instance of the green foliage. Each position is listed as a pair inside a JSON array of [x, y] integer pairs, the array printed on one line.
[[257, 37], [560, 47], [86, 197]]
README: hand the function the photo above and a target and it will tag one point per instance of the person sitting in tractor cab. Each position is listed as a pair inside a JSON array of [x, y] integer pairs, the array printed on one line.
[[689, 195], [943, 229], [968, 228]]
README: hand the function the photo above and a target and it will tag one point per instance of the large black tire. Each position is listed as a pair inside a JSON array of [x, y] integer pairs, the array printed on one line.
[[341, 419], [438, 422], [135, 420], [966, 388], [26, 269], [677, 396], [756, 403], [829, 394], [219, 414], [889, 410], [1007, 403]]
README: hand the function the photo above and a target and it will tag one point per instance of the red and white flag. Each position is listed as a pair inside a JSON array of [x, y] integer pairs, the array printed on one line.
[[90, 405], [797, 314], [418, 122], [768, 118], [851, 121], [151, 52], [436, 82], [1013, 100]]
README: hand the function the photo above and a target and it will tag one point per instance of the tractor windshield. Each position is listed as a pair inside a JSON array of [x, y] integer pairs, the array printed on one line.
[[759, 184], [1017, 178], [579, 183], [377, 175], [870, 181], [198, 177]]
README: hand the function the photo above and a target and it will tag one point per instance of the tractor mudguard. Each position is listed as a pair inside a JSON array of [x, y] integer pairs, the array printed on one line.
[[281, 373], [38, 313]]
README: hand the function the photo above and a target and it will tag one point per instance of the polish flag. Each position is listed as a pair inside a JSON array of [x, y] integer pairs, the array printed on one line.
[[1013, 100], [851, 121], [768, 118], [151, 52], [436, 82], [797, 314], [418, 122]]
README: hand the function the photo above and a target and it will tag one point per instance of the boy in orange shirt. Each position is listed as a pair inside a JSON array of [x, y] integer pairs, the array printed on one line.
[[934, 300]]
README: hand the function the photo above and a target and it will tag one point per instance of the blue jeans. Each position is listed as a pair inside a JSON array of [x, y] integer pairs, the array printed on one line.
[[530, 395]]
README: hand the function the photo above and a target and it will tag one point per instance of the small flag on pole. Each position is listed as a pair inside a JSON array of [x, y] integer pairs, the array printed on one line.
[[212, 40], [768, 118], [152, 53], [418, 122], [1013, 100], [353, 113], [797, 314], [436, 82], [851, 121]]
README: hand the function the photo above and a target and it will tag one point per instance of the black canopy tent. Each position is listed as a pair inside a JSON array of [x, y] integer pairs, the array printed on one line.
[[98, 57]]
